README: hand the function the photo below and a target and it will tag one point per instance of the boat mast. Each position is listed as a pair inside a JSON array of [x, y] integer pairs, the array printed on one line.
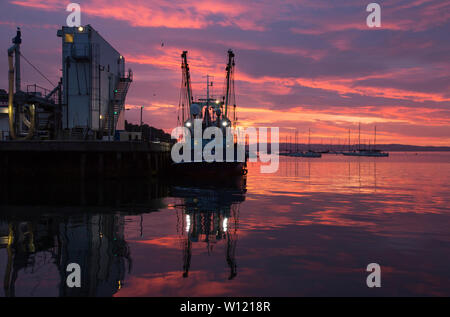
[[359, 136], [207, 119], [186, 84], [290, 143], [207, 91], [349, 140], [375, 139], [309, 140], [230, 80]]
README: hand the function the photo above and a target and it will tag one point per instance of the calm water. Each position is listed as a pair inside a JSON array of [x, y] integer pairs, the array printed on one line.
[[310, 229]]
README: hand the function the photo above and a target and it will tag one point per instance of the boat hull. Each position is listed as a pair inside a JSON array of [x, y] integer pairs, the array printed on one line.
[[366, 154], [306, 154], [209, 170]]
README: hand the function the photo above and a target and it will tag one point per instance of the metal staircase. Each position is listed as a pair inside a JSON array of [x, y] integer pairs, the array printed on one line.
[[118, 102]]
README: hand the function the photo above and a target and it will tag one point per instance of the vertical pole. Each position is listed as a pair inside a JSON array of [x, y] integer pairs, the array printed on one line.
[[359, 136], [349, 140], [290, 144], [309, 139], [110, 110], [17, 67], [83, 166], [100, 97], [207, 96], [142, 107], [375, 138]]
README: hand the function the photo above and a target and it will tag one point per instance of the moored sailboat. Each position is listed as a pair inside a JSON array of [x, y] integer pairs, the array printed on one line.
[[374, 152]]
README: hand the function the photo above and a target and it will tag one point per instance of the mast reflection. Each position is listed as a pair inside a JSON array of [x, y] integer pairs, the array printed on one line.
[[210, 215]]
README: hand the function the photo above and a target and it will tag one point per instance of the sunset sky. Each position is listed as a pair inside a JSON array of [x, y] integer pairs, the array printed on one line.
[[299, 63]]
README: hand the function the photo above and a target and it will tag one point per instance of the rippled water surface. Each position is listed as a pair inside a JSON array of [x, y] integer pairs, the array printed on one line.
[[310, 229]]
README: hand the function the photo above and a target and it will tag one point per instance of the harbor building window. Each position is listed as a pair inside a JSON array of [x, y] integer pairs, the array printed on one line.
[[68, 38]]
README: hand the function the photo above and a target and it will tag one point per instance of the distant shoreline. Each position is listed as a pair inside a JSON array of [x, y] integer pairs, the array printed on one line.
[[383, 147]]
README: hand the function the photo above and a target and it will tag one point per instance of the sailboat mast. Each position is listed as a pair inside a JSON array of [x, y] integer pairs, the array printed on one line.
[[290, 143], [207, 91], [309, 139], [349, 140], [375, 138], [359, 136]]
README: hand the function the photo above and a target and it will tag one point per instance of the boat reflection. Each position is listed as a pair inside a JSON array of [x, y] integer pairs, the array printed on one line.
[[209, 215]]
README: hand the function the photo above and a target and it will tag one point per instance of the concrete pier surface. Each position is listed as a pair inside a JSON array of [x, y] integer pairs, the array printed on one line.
[[83, 159]]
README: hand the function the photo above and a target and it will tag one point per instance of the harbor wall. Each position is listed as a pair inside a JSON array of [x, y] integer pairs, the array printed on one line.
[[23, 161]]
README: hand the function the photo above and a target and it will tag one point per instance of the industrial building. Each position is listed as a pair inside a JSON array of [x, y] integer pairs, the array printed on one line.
[[4, 120], [95, 83], [88, 103]]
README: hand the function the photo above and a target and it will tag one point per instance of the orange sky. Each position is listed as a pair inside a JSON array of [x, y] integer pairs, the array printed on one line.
[[300, 64]]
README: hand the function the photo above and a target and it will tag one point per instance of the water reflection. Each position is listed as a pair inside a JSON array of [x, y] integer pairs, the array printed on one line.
[[309, 229], [45, 227], [209, 216], [95, 242]]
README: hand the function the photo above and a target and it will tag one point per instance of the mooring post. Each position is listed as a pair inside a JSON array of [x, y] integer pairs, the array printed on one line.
[[83, 166], [149, 164], [118, 164], [156, 163], [100, 165], [5, 167]]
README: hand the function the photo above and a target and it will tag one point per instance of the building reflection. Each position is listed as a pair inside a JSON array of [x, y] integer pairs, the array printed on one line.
[[210, 215], [95, 242], [90, 233]]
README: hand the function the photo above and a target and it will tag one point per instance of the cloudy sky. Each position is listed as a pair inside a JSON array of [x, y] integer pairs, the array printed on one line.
[[300, 63]]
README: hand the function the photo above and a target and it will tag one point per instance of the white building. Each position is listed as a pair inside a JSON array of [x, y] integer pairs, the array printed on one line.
[[94, 82]]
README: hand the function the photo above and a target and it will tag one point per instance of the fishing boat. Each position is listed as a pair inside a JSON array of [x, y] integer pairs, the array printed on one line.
[[203, 113], [373, 152]]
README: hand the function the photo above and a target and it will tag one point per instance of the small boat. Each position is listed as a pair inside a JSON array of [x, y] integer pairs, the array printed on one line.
[[306, 154], [366, 152], [376, 153], [310, 153]]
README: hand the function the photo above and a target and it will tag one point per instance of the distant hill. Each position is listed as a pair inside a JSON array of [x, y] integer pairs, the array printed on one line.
[[384, 147], [412, 148]]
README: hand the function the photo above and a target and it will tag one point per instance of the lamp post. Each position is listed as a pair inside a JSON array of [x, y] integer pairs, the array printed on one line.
[[142, 107]]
